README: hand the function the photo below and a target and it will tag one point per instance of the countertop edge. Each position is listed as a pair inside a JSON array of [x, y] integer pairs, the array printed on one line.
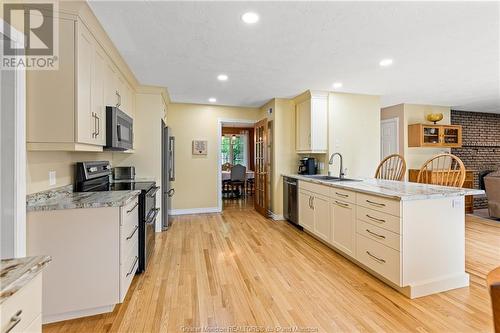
[[409, 197], [28, 273]]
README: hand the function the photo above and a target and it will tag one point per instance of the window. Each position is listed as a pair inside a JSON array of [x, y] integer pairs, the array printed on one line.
[[234, 149]]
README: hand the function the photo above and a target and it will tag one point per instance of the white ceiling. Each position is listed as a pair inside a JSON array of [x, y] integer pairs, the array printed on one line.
[[445, 53]]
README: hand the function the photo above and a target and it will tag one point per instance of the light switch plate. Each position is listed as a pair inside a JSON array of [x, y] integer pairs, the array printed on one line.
[[458, 203], [52, 178]]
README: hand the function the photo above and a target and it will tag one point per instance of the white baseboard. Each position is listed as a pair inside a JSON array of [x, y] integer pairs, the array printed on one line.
[[277, 217], [46, 319], [202, 210]]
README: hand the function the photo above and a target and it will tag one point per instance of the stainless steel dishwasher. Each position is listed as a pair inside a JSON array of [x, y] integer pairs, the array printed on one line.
[[290, 200]]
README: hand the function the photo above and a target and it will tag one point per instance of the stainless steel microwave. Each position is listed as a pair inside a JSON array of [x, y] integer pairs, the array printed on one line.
[[119, 129]]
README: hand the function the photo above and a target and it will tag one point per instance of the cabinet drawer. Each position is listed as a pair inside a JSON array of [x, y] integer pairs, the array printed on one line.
[[378, 257], [128, 240], [344, 195], [127, 271], [130, 214], [383, 220], [381, 204], [315, 188], [378, 234], [25, 305]]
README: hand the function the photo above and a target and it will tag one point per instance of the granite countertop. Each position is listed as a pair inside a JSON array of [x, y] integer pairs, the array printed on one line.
[[16, 273], [394, 189], [65, 198]]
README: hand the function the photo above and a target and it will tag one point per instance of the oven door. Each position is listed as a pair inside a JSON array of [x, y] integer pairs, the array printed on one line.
[[150, 223]]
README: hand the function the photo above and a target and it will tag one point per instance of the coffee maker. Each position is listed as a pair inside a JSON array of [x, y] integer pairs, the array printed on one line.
[[307, 166]]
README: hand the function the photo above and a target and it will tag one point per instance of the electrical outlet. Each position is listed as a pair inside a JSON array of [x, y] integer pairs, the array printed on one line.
[[52, 178], [458, 203]]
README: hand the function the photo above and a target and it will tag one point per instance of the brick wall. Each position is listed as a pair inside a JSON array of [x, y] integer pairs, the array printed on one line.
[[480, 144]]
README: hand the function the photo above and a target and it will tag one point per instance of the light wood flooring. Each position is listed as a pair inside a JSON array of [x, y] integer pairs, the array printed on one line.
[[238, 268]]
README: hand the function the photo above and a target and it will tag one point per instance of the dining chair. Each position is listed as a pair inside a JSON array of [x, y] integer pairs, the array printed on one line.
[[238, 177], [443, 169], [226, 166], [493, 282], [393, 167]]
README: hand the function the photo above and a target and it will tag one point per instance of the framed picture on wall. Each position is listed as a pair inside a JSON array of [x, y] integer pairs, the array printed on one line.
[[200, 147]]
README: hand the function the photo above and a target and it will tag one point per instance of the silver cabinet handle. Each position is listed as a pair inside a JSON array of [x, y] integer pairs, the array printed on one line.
[[132, 209], [133, 232], [94, 133], [375, 203], [153, 191], [310, 202], [14, 320], [171, 192], [341, 195], [119, 101], [375, 219], [98, 125], [375, 234], [133, 265], [341, 204], [380, 260]]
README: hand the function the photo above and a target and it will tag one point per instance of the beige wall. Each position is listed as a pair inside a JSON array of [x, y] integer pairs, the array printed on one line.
[[196, 181], [39, 163], [354, 131]]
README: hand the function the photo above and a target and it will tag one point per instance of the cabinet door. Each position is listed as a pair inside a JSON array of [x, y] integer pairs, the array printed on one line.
[[452, 136], [319, 123], [303, 126], [85, 124], [322, 221], [98, 98], [432, 135], [343, 219], [111, 86], [306, 214]]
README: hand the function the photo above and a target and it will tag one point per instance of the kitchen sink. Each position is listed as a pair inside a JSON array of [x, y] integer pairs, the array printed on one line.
[[332, 179]]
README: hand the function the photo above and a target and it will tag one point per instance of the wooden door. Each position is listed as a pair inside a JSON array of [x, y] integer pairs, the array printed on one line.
[[261, 170]]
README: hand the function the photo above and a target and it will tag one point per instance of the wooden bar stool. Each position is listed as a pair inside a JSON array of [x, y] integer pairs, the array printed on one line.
[[493, 282], [443, 169], [393, 167]]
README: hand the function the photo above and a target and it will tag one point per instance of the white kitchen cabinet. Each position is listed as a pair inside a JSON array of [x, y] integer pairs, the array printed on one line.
[[98, 111], [306, 213], [343, 221], [312, 124], [322, 224]]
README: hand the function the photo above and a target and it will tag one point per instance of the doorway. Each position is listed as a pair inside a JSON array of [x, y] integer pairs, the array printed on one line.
[[236, 164], [389, 137]]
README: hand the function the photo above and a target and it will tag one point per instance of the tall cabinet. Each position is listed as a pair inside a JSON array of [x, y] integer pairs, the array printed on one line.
[[312, 124], [66, 107]]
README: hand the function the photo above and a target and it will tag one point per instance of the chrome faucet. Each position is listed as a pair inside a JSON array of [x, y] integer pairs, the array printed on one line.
[[341, 173]]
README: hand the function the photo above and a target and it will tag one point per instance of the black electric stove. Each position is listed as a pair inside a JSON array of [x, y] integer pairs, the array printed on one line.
[[95, 176]]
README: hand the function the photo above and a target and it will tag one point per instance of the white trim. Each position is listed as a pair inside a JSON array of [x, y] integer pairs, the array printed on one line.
[[46, 319], [220, 121], [386, 121], [189, 211], [19, 150], [277, 217]]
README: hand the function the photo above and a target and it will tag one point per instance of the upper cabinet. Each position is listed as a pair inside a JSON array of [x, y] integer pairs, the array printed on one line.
[[66, 107], [438, 136], [312, 124]]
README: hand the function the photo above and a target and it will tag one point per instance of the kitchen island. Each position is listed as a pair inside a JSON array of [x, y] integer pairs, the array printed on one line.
[[411, 236]]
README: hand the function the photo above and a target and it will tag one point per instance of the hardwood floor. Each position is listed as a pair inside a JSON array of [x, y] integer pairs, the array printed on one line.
[[238, 268]]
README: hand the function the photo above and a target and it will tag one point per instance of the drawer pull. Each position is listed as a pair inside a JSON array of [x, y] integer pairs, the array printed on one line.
[[375, 234], [342, 195], [378, 204], [341, 204], [133, 232], [14, 320], [133, 265], [132, 209], [377, 259], [375, 219]]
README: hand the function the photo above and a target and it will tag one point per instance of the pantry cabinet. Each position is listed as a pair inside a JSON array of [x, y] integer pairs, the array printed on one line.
[[312, 124], [66, 107]]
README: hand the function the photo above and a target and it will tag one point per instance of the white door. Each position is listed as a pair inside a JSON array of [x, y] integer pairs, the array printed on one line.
[[389, 137]]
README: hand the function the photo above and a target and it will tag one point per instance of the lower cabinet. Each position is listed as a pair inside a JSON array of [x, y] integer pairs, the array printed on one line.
[[343, 221], [306, 213], [314, 214]]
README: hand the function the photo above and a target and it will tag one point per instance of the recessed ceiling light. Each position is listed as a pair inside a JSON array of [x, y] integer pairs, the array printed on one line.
[[212, 99], [250, 18], [385, 62], [222, 77], [337, 85]]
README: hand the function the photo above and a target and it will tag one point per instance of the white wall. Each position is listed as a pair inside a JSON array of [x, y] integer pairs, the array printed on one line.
[[354, 131]]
